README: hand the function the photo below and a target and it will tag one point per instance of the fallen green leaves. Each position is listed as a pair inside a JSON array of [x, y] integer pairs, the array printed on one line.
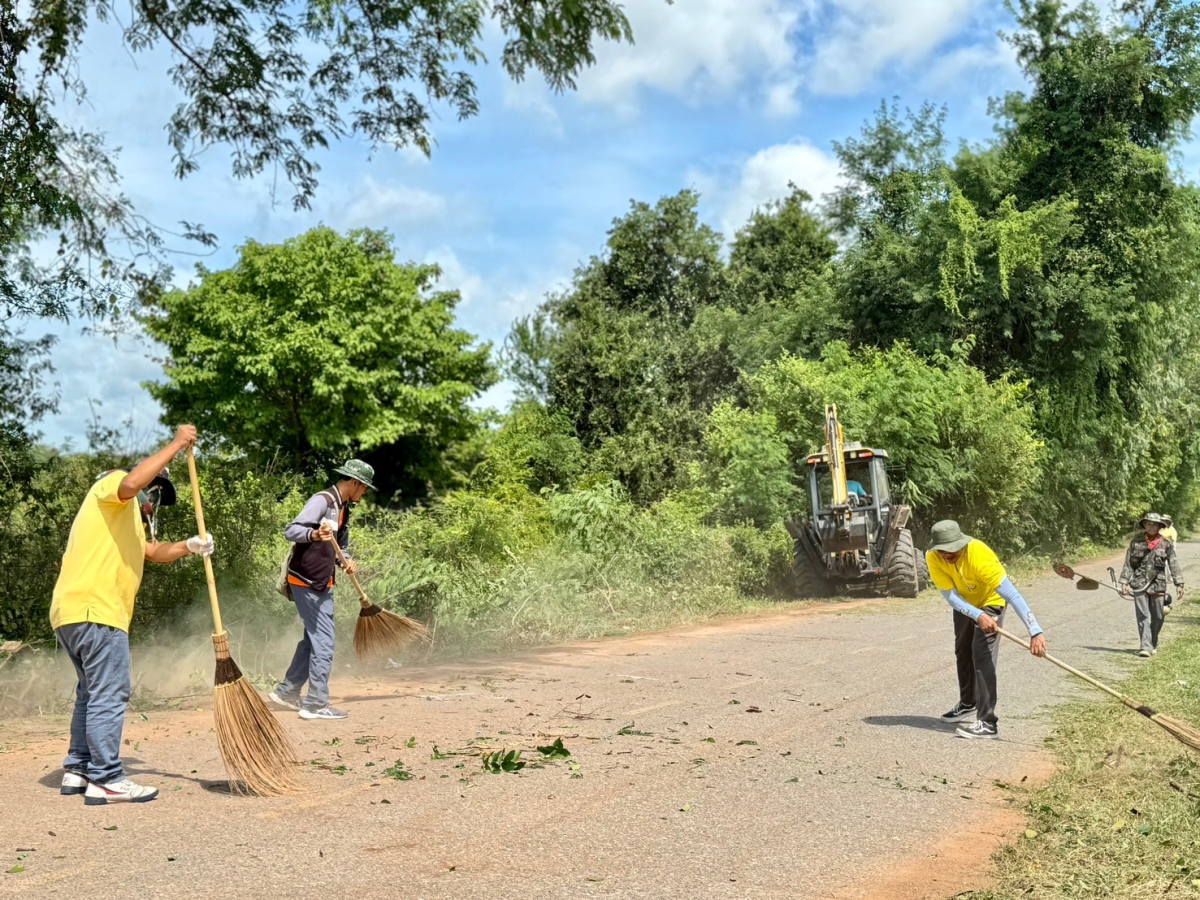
[[502, 761], [555, 750], [398, 772]]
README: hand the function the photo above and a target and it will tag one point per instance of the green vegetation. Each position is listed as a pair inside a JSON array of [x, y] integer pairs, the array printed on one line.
[[1121, 816], [1015, 323], [321, 348]]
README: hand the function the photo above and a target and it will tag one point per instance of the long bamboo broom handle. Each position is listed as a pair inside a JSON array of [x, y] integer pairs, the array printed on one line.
[[1062, 665], [208, 569], [362, 595]]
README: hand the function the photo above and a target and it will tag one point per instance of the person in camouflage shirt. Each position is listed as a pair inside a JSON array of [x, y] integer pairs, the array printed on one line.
[[1145, 579]]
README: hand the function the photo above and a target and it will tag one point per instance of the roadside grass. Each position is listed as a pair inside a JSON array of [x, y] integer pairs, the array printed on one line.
[[1120, 818]]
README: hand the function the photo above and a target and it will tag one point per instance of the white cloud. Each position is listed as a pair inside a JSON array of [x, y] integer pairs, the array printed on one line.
[[397, 205], [765, 176], [858, 40], [94, 368], [963, 66], [695, 48]]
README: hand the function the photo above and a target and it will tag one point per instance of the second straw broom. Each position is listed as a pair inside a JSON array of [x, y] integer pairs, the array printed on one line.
[[379, 632]]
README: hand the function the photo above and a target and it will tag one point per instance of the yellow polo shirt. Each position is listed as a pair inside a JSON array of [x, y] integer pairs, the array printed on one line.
[[975, 574], [102, 567]]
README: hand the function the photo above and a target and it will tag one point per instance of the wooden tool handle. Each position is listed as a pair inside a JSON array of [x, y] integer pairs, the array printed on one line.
[[362, 595], [1062, 665], [218, 628]]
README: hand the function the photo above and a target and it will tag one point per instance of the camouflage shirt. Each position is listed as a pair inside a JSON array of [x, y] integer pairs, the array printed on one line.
[[1146, 569]]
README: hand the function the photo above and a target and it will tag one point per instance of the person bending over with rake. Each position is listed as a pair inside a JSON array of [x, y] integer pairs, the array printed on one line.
[[93, 606], [974, 583], [1145, 579], [310, 569]]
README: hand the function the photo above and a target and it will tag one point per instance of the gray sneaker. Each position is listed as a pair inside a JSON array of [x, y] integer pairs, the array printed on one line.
[[327, 713], [284, 700], [1144, 653]]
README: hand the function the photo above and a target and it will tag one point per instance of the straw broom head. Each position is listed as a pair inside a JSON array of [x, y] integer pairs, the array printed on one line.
[[1180, 730], [258, 754], [378, 632]]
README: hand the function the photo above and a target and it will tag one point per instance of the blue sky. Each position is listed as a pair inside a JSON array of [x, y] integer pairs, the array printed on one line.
[[734, 98]]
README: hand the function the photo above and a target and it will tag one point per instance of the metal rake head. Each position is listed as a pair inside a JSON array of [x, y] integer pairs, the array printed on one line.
[[1083, 584]]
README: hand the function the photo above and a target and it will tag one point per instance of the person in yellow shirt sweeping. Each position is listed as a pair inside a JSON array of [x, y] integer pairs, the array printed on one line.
[[93, 606], [974, 583]]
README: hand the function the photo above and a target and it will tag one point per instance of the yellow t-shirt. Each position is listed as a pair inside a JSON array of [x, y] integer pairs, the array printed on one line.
[[975, 574], [102, 568], [1170, 534]]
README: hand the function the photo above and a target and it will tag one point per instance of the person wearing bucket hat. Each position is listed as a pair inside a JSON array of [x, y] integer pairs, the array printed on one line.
[[92, 608], [974, 583], [1168, 530], [1144, 578], [309, 580]]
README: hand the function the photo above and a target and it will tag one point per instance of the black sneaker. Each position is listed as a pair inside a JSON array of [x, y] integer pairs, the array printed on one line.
[[961, 711], [977, 730]]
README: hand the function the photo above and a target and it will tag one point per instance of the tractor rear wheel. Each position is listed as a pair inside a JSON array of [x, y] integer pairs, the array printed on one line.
[[922, 571], [904, 579], [809, 582]]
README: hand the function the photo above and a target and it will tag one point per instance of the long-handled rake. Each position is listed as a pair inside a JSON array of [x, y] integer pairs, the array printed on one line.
[[1181, 731], [1091, 584], [1084, 583], [258, 754], [379, 632]]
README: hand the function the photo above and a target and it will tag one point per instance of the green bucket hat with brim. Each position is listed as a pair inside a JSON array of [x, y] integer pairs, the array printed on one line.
[[358, 470], [1157, 518], [948, 537]]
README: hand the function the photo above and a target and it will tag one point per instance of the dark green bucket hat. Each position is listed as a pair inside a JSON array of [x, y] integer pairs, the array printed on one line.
[[948, 537], [1157, 518], [358, 470]]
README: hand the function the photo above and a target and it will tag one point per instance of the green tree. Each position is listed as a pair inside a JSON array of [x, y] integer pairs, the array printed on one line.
[[780, 296], [274, 82], [322, 347], [624, 364]]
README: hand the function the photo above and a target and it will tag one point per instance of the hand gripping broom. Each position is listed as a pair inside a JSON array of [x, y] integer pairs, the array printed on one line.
[[258, 754], [377, 631], [1181, 731]]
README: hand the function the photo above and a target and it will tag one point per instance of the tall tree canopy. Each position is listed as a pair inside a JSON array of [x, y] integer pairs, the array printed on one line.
[[273, 81], [319, 348]]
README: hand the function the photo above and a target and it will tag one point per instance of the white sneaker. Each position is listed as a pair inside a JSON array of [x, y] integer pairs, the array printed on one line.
[[120, 791], [73, 783], [284, 700], [327, 713]]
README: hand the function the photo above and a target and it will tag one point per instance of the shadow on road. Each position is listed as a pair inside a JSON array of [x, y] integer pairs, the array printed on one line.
[[928, 723], [1126, 651]]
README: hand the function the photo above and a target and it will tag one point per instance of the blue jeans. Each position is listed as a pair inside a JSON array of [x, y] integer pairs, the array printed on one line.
[[313, 659], [100, 654]]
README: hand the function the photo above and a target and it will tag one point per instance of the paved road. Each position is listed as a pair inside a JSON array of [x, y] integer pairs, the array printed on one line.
[[795, 755]]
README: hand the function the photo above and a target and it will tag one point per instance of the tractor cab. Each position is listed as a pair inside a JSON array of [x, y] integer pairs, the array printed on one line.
[[858, 522]]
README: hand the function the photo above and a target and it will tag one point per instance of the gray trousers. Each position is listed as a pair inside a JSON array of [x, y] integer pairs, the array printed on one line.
[[1149, 611], [100, 654], [977, 655], [313, 659]]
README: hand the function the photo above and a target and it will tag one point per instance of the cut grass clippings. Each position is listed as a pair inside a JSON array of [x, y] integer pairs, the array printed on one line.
[[1120, 818]]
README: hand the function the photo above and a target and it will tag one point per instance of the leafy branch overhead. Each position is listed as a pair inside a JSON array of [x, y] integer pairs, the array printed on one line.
[[275, 82]]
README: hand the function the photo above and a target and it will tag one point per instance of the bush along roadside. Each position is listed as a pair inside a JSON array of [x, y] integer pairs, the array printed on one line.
[[1120, 818]]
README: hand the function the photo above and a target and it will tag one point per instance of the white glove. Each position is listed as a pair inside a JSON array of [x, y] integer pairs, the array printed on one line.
[[201, 547]]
